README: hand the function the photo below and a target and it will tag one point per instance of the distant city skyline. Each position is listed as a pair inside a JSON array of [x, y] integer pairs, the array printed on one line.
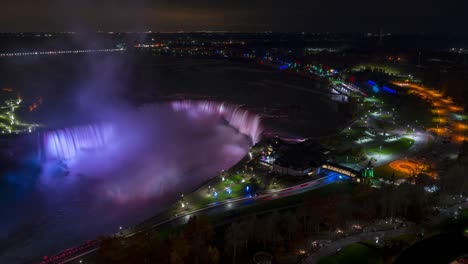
[[395, 16]]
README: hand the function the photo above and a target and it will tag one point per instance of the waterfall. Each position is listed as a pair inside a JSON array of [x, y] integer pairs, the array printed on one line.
[[244, 121], [66, 143]]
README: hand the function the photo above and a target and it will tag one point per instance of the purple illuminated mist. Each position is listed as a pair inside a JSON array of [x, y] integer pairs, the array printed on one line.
[[146, 153]]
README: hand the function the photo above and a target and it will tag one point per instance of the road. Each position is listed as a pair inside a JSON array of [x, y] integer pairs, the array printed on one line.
[[212, 209]]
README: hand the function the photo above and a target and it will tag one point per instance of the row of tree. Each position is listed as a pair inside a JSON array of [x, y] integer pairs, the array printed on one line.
[[287, 232], [193, 244], [283, 233]]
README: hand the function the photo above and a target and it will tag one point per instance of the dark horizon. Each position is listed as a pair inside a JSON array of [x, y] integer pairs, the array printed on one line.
[[237, 16]]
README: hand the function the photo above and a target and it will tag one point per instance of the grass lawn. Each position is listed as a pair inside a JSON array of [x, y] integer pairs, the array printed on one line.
[[385, 172], [386, 116], [384, 125], [354, 253], [237, 190], [393, 147], [232, 182]]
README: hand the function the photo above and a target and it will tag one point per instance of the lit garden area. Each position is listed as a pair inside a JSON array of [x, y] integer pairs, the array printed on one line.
[[411, 168], [403, 169], [222, 188], [242, 180]]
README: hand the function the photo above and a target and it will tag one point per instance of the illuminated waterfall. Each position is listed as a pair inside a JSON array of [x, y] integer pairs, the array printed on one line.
[[66, 143], [241, 119]]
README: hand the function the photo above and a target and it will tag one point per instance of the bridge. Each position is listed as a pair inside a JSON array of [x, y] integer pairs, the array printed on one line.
[[339, 169]]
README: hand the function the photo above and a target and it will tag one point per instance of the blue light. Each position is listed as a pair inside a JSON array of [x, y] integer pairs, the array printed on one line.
[[228, 190], [371, 82], [388, 90], [215, 194], [375, 89], [247, 188], [284, 67], [341, 177]]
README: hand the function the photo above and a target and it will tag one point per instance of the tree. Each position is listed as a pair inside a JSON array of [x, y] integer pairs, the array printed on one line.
[[261, 232], [328, 212], [345, 210], [254, 186], [180, 249], [454, 181], [199, 234], [250, 223], [309, 217], [111, 250], [272, 225], [213, 255], [235, 237], [292, 227]]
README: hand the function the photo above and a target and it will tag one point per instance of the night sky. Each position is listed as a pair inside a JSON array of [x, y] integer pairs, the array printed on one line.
[[397, 16]]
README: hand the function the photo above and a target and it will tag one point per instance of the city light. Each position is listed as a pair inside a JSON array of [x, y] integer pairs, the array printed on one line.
[[59, 52], [9, 123]]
